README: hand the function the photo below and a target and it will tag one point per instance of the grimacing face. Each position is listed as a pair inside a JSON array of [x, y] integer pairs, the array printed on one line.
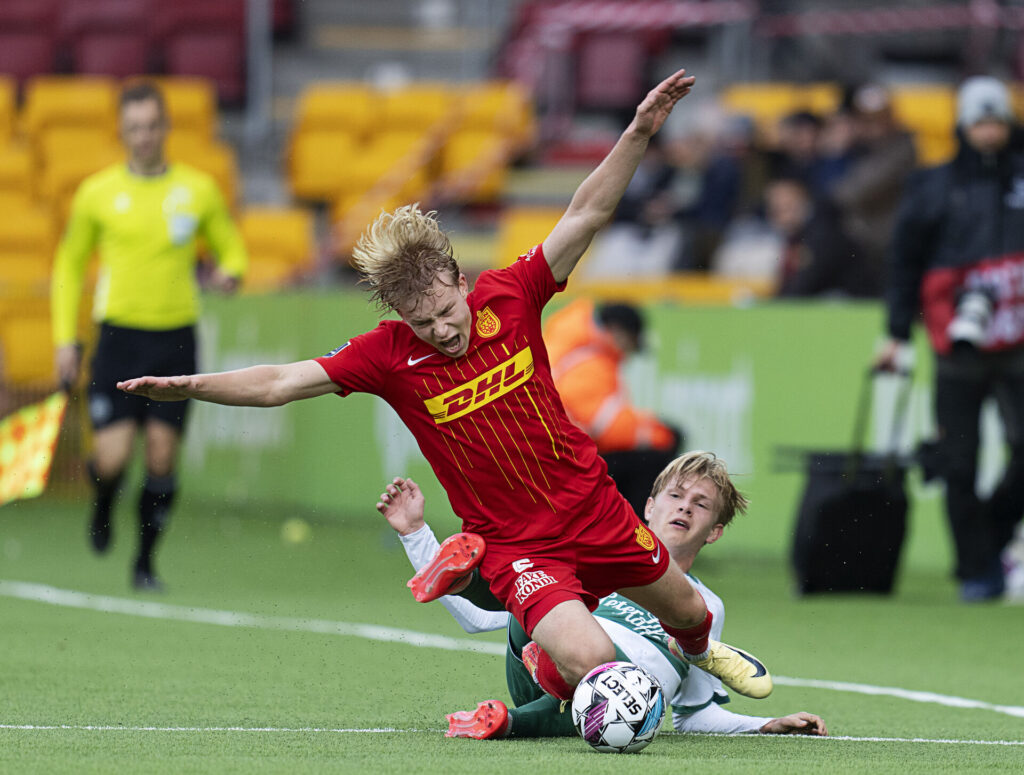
[[143, 131], [684, 515], [441, 316]]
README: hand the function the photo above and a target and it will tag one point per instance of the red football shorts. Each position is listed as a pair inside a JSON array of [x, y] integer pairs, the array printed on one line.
[[610, 553]]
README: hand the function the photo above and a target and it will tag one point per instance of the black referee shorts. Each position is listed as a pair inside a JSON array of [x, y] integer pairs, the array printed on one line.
[[123, 353]]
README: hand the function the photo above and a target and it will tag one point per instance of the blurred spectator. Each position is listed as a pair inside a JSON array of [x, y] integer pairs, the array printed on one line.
[[647, 202], [587, 346], [732, 189], [958, 255], [798, 153], [645, 226], [817, 258], [869, 191]]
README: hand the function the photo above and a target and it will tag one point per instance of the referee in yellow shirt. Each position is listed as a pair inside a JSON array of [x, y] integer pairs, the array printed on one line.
[[144, 217]]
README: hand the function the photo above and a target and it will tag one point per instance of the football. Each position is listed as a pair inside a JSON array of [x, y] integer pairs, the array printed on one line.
[[618, 707]]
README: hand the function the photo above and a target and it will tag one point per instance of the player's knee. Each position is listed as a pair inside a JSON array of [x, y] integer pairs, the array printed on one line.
[[584, 659]]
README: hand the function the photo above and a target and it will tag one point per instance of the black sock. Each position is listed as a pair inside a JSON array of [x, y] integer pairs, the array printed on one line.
[[105, 494], [154, 506]]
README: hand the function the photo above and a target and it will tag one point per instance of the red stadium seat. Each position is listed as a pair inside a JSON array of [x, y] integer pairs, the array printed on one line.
[[24, 54], [610, 69], [27, 15], [110, 53], [213, 54], [172, 18], [81, 16], [108, 37]]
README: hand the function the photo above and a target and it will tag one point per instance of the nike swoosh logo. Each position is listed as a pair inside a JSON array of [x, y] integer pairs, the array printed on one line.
[[656, 557], [758, 667], [414, 361]]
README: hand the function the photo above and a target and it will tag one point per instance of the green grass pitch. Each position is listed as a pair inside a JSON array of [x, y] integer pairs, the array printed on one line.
[[85, 690]]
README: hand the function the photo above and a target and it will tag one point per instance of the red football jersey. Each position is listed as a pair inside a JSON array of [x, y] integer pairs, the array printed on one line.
[[490, 423]]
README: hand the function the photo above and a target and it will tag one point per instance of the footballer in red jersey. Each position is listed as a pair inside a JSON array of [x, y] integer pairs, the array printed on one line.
[[468, 373]]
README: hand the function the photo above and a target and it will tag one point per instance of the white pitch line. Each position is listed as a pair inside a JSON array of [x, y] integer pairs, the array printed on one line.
[[390, 730], [68, 598], [43, 593], [903, 694], [942, 741]]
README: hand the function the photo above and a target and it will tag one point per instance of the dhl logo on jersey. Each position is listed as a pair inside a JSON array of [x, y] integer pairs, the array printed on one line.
[[483, 389]]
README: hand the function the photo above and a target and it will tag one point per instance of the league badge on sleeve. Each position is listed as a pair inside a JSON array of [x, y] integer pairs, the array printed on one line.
[[337, 350]]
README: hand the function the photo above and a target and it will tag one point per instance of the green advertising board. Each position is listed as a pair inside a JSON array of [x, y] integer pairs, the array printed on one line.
[[740, 381]]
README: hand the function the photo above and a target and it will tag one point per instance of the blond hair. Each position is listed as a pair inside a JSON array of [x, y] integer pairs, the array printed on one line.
[[401, 254], [704, 465]]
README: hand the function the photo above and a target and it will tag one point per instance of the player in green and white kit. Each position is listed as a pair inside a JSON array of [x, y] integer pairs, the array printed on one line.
[[691, 502]]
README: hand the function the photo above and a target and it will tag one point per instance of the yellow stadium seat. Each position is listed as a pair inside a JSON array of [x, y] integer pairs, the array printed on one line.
[[819, 98], [267, 273], [8, 107], [1017, 99], [339, 106], [318, 163], [285, 233], [397, 160], [419, 107], [61, 142], [764, 100], [929, 108], [474, 164], [933, 149], [22, 274], [191, 104], [363, 207], [521, 228], [62, 175], [501, 106], [215, 158], [16, 169], [27, 349], [65, 100], [29, 229], [768, 101]]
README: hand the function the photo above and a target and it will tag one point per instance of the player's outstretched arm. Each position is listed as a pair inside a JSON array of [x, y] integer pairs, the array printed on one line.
[[253, 386], [594, 202], [796, 724]]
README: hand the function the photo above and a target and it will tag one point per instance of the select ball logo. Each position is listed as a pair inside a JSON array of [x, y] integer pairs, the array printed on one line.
[[618, 707]]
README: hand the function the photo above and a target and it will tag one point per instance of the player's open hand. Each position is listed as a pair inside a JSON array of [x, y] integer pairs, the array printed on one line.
[[401, 504], [159, 388], [796, 724], [658, 103]]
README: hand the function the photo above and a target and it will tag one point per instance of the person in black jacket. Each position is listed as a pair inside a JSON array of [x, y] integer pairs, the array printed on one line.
[[958, 256], [816, 256]]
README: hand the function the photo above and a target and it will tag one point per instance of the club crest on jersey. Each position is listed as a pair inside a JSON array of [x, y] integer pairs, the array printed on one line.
[[480, 391], [487, 323], [644, 538]]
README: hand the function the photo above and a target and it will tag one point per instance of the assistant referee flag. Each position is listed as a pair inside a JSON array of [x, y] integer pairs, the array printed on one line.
[[27, 441]]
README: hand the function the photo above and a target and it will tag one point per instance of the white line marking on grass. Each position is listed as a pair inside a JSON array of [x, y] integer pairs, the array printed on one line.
[[43, 593], [107, 728], [68, 598], [943, 741], [390, 730], [903, 694]]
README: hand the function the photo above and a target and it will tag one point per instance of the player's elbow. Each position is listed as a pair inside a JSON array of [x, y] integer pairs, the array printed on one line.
[[589, 217]]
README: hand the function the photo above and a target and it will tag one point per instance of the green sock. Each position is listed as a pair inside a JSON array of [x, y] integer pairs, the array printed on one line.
[[543, 717]]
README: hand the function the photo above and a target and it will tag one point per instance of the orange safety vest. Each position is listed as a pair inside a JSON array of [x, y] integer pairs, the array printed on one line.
[[585, 364]]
